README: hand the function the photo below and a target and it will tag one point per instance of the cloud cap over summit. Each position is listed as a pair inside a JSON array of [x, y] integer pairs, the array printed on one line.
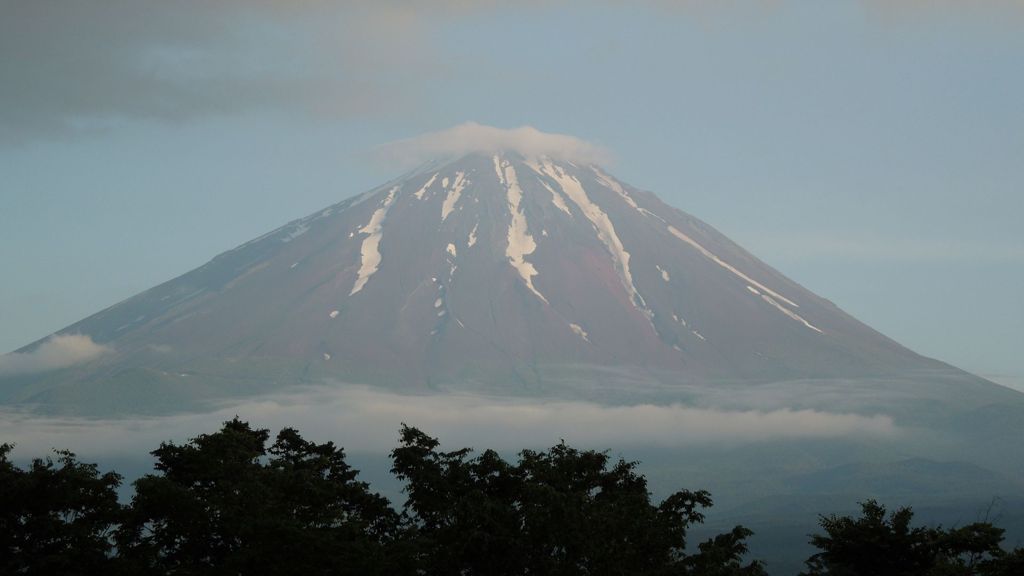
[[472, 137]]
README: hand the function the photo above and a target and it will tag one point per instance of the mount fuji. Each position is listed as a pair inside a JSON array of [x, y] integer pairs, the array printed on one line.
[[500, 272]]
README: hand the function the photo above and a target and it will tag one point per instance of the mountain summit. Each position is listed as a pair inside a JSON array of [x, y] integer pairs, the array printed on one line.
[[499, 272]]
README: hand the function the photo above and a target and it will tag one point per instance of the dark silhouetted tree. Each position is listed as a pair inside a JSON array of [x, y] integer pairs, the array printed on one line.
[[226, 504], [881, 544], [561, 511], [56, 517]]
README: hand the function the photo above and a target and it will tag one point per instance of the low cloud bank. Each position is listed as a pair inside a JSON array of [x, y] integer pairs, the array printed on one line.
[[59, 351], [361, 419], [471, 137]]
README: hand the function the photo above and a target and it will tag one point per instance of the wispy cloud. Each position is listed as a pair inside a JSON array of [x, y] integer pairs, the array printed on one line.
[[473, 137], [59, 351], [69, 68], [361, 419]]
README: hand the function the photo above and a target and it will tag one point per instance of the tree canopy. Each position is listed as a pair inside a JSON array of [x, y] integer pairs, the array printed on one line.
[[560, 511], [236, 502], [57, 516], [225, 503], [884, 544]]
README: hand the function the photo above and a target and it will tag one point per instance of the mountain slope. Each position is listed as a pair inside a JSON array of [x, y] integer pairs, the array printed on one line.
[[491, 272]]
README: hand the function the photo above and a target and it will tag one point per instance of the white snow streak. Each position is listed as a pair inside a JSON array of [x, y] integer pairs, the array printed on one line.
[[605, 230], [370, 250], [790, 313], [451, 249], [707, 254], [453, 194], [664, 273], [333, 314], [520, 243], [472, 235], [419, 193], [556, 198], [497, 169], [579, 331], [769, 295], [614, 185]]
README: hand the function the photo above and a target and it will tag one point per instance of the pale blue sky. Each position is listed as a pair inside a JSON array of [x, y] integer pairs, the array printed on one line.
[[873, 151]]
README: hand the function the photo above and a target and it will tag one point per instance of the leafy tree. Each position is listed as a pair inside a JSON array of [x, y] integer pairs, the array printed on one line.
[[882, 545], [723, 554], [561, 511], [226, 504], [56, 517]]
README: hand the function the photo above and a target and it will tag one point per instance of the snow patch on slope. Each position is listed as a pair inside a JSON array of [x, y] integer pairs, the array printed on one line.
[[790, 313], [497, 170], [707, 254], [370, 251], [472, 235], [556, 198], [520, 243], [605, 230], [419, 193], [453, 194], [609, 182], [579, 331], [613, 185], [664, 273], [769, 296]]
